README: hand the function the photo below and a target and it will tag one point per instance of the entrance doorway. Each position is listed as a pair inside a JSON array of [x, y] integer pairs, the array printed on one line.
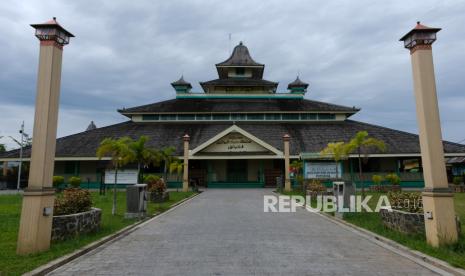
[[236, 171]]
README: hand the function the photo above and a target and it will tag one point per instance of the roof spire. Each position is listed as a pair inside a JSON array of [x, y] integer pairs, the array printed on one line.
[[91, 126], [297, 86]]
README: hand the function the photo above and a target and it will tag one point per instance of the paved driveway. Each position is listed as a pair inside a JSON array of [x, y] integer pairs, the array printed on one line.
[[226, 232]]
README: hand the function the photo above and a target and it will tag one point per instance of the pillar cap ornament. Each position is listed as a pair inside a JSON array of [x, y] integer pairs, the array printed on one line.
[[52, 32], [186, 137], [420, 37], [286, 137]]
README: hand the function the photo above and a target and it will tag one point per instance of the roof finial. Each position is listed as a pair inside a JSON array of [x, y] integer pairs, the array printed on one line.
[[418, 22], [54, 18], [240, 43]]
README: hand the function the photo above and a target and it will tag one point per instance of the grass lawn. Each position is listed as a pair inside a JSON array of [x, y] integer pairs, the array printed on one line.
[[10, 209], [454, 254]]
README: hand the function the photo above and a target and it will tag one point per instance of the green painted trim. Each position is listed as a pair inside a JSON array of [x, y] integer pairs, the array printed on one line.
[[271, 96], [174, 184]]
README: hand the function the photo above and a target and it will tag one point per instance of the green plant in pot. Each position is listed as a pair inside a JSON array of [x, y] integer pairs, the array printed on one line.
[[457, 180]]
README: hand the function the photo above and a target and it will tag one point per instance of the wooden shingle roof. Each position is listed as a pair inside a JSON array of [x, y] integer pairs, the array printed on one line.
[[305, 137], [238, 105]]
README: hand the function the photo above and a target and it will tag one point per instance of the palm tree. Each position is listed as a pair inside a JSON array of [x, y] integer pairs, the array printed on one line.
[[337, 151], [143, 155], [167, 155], [360, 143], [120, 153], [177, 167]]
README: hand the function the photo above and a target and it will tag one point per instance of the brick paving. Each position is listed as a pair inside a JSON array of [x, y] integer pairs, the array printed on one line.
[[226, 232]]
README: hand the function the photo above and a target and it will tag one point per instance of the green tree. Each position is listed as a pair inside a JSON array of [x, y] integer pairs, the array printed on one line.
[[360, 143], [297, 166], [143, 155], [177, 167], [120, 153], [167, 156], [337, 151]]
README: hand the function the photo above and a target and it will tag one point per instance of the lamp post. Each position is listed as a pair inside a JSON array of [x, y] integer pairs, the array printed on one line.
[[37, 210], [438, 201]]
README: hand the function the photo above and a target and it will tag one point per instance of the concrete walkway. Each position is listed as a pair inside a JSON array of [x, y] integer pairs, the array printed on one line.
[[226, 232]]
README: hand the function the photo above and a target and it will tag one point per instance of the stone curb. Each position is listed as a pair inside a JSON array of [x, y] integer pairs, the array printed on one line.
[[429, 262], [52, 265]]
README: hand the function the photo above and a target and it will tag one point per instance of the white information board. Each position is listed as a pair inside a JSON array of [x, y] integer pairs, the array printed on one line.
[[124, 177], [321, 170]]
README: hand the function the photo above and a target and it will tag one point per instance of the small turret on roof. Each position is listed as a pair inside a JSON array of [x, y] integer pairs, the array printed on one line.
[[91, 126], [181, 86], [240, 58], [297, 86]]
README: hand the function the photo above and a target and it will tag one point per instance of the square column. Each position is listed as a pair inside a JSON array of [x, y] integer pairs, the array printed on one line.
[[185, 175], [438, 200], [287, 179], [37, 211]]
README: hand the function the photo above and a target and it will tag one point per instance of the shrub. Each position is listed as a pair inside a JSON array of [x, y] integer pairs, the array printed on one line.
[[155, 184], [74, 181], [377, 179], [151, 178], [58, 180], [457, 180], [409, 202], [393, 178], [316, 186], [73, 201]]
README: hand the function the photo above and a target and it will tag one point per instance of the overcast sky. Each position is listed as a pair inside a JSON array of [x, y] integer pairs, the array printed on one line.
[[126, 53]]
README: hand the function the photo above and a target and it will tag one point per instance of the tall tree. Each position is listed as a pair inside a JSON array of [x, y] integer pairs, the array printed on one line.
[[176, 167], [360, 143], [337, 151], [167, 155], [120, 153], [143, 155]]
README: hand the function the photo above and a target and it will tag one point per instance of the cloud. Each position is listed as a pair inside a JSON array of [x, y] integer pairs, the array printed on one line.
[[126, 53]]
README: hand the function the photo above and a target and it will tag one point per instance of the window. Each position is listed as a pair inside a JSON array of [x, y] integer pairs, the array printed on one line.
[[221, 117], [150, 117], [291, 116], [326, 116], [204, 116], [238, 117], [186, 117], [307, 116], [255, 116], [273, 116], [168, 117], [240, 71]]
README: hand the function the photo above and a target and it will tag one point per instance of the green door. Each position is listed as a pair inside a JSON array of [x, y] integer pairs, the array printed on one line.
[[237, 171]]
